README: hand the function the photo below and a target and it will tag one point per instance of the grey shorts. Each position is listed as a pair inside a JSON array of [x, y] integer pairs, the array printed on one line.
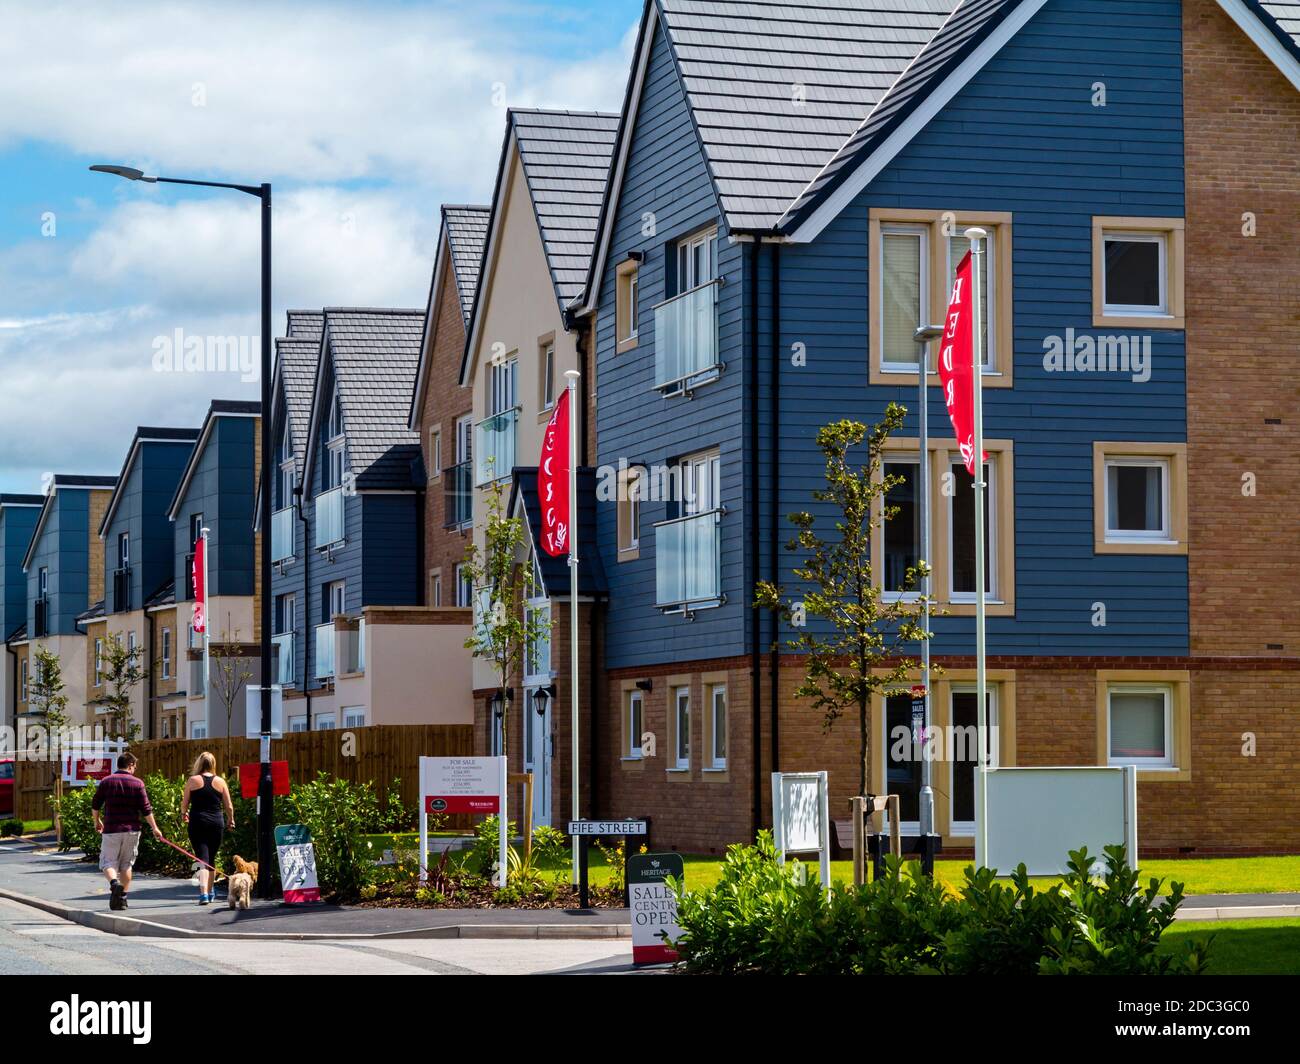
[[117, 851]]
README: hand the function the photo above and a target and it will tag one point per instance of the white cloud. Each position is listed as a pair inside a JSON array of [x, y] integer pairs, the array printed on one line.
[[312, 92]]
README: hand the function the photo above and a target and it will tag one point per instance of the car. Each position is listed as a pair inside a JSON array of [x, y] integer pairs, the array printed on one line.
[[6, 786]]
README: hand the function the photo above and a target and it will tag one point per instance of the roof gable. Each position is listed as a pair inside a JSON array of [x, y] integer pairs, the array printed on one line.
[[143, 437], [1274, 27]]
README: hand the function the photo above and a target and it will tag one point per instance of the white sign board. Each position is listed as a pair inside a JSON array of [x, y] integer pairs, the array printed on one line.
[[1038, 815], [607, 827], [463, 785], [253, 712], [86, 761], [801, 817]]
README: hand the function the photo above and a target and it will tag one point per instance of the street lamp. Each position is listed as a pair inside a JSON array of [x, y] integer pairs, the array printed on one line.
[[923, 336], [265, 795]]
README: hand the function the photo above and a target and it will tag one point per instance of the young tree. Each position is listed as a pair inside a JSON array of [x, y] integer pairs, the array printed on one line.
[[503, 630], [856, 650], [46, 697], [124, 671], [230, 677]]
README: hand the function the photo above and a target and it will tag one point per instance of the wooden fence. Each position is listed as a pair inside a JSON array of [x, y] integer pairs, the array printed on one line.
[[377, 754]]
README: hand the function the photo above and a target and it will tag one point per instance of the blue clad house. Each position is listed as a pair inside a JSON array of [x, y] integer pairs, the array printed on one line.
[[215, 490], [18, 514], [787, 204]]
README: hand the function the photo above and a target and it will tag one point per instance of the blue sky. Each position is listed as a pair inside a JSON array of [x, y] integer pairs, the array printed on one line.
[[365, 116]]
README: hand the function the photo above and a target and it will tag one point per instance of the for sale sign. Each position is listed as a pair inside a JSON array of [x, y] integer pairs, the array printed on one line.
[[297, 863], [460, 784], [653, 905]]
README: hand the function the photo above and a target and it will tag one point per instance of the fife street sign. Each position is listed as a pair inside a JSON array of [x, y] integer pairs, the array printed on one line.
[[607, 827]]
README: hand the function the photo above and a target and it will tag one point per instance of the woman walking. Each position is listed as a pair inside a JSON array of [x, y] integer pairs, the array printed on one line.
[[202, 810]]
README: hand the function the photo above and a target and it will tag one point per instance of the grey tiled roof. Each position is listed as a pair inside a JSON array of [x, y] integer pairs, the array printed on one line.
[[304, 324], [466, 226], [295, 366], [970, 24], [1286, 14], [375, 353], [777, 88], [565, 156]]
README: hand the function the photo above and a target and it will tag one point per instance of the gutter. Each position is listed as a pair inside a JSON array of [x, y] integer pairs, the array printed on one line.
[[774, 653], [306, 599], [755, 643]]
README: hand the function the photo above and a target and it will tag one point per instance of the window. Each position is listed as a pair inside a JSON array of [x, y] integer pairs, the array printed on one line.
[[335, 449], [130, 642], [1137, 272], [682, 728], [961, 531], [99, 662], [298, 723], [464, 587], [284, 479], [124, 550], [286, 614], [697, 260], [22, 681], [334, 601], [464, 439], [913, 257], [633, 724], [435, 454], [196, 531], [1140, 726], [502, 385], [43, 582], [546, 363], [718, 726], [354, 716], [902, 531], [199, 729], [435, 588], [166, 653], [964, 746], [626, 307], [630, 482], [1139, 498], [324, 722]]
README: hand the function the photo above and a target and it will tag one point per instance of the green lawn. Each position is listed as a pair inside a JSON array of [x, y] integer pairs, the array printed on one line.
[[1244, 947]]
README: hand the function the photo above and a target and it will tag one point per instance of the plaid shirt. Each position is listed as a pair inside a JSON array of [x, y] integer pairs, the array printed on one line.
[[124, 801]]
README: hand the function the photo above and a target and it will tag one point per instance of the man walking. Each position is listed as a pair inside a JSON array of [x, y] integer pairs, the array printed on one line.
[[124, 802]]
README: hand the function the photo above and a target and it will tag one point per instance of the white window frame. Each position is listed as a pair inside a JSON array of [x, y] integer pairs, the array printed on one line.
[[337, 590], [354, 716], [464, 438], [298, 722], [967, 827], [688, 274], [1137, 310], [198, 729], [464, 587], [166, 640], [903, 229], [681, 735], [1162, 535], [993, 593], [435, 590], [99, 662], [435, 453], [715, 761], [503, 386], [286, 468], [634, 712], [633, 306], [288, 613], [548, 374], [325, 722], [989, 365], [1166, 691], [23, 681]]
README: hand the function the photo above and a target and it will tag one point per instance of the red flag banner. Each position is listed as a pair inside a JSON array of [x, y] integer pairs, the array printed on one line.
[[553, 480], [955, 358], [200, 588]]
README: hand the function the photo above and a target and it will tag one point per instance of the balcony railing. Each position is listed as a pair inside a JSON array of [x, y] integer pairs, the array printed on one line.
[[325, 650], [282, 534], [494, 447], [329, 517], [121, 590], [686, 340], [41, 622], [458, 498], [688, 572], [282, 650]]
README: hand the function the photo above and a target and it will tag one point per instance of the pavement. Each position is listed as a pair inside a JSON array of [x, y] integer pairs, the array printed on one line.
[[67, 886]]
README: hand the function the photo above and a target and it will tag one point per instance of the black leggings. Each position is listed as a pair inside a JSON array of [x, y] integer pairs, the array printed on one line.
[[205, 837]]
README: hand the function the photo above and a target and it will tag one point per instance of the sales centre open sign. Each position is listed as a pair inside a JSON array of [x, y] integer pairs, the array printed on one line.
[[654, 905]]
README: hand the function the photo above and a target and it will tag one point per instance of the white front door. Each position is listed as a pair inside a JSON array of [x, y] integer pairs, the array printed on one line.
[[537, 755]]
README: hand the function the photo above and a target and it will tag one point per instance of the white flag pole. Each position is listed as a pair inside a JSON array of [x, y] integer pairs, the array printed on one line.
[[976, 238], [207, 635], [573, 376]]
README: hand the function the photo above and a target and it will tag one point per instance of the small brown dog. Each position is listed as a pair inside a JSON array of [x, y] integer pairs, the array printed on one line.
[[240, 891]]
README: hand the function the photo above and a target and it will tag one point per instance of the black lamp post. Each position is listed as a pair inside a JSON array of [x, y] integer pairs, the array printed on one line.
[[265, 797]]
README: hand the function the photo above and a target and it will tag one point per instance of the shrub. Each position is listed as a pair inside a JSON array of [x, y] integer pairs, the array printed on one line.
[[337, 813], [550, 845], [482, 857], [766, 918], [11, 826], [78, 822]]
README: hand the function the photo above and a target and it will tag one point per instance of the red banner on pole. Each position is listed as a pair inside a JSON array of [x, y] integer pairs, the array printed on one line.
[[200, 587], [250, 774], [955, 369], [553, 480]]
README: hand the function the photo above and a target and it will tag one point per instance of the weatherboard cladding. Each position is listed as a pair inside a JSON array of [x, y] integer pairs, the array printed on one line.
[[666, 174], [1053, 160], [555, 571], [467, 228], [776, 89], [63, 547], [565, 157]]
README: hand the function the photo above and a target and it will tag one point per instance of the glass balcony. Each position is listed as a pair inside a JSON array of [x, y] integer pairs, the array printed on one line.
[[458, 498], [688, 571], [686, 340], [325, 650], [282, 648], [494, 447], [282, 534], [121, 590], [329, 517]]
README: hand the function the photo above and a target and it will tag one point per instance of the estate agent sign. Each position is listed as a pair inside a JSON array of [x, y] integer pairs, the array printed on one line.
[[653, 905], [463, 785]]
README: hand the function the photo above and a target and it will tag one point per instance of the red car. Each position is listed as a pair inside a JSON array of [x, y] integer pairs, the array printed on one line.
[[6, 786]]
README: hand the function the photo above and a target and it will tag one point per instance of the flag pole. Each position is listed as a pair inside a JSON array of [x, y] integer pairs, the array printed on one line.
[[207, 638], [573, 376], [976, 237]]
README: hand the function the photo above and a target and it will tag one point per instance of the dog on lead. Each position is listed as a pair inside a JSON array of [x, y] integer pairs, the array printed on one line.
[[240, 894]]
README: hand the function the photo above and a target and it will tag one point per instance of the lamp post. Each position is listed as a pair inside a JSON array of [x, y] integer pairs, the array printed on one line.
[[265, 797]]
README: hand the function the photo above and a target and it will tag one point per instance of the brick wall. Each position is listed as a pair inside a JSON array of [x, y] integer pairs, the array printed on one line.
[[444, 401], [98, 507], [1242, 123]]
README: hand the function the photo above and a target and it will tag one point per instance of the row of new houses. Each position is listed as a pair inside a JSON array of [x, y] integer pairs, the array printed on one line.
[[741, 255]]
